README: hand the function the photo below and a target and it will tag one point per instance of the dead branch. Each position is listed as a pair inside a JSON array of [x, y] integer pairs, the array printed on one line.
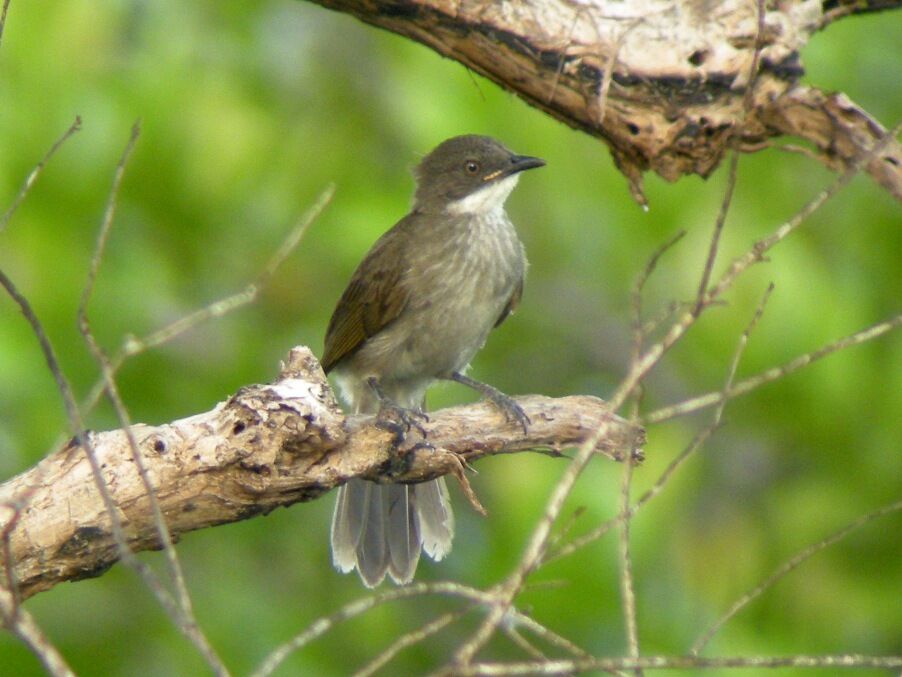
[[569, 667], [267, 446], [666, 85]]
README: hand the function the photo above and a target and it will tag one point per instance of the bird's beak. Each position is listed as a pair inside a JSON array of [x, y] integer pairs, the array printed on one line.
[[521, 162], [518, 163]]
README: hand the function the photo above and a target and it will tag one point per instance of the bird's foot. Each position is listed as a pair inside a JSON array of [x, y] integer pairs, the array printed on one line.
[[399, 420], [393, 417], [512, 411]]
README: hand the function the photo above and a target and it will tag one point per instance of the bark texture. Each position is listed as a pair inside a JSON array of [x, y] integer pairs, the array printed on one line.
[[666, 84], [266, 446]]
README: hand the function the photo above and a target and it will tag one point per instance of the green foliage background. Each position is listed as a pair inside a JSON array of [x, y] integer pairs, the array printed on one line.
[[248, 110]]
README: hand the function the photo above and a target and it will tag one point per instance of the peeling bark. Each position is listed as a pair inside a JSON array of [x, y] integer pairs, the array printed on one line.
[[267, 446], [665, 84]]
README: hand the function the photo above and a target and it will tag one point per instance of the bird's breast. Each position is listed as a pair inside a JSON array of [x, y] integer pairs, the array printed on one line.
[[459, 279]]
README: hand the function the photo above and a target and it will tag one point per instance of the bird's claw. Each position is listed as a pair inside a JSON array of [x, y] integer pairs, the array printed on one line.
[[512, 411], [399, 420]]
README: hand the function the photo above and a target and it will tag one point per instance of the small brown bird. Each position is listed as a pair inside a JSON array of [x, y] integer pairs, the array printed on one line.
[[417, 309]]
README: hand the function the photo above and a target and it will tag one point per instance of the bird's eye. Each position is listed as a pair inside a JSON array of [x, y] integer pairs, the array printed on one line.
[[471, 166]]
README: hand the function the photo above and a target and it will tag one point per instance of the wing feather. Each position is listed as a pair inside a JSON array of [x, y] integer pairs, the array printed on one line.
[[373, 299], [512, 303]]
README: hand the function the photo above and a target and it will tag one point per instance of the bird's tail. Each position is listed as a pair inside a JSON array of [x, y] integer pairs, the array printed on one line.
[[381, 528]]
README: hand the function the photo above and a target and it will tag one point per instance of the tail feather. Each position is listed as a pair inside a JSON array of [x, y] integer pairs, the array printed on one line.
[[372, 547], [435, 517], [381, 529], [346, 526], [403, 534]]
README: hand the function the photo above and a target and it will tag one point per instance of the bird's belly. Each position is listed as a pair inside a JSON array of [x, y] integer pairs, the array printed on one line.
[[437, 338]]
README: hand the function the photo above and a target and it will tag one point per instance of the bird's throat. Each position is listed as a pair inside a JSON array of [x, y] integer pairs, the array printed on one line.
[[488, 199]]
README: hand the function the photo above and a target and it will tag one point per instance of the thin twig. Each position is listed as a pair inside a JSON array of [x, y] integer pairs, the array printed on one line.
[[739, 350], [774, 373], [739, 265], [560, 68], [610, 65], [697, 441], [558, 667], [21, 624], [762, 246], [627, 590], [551, 637], [534, 549], [353, 609], [504, 594], [83, 441], [715, 236], [187, 623], [409, 639], [134, 345], [787, 567], [639, 329], [747, 102], [519, 640], [3, 13], [36, 172]]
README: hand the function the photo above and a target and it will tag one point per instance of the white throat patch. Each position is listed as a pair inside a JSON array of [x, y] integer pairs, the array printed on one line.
[[485, 200]]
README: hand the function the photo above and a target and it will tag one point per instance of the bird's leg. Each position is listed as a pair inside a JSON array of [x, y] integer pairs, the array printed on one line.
[[512, 411], [393, 417]]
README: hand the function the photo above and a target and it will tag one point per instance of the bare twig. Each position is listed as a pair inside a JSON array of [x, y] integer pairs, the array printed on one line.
[[697, 441], [504, 594], [36, 172], [715, 236], [519, 640], [751, 383], [558, 667], [134, 345], [84, 442], [3, 13], [762, 246], [20, 623], [353, 609], [409, 639], [186, 623], [627, 593], [549, 636], [535, 548], [787, 567], [747, 103], [739, 265]]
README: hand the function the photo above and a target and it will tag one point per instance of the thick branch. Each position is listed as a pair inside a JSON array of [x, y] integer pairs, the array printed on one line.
[[265, 447], [664, 84]]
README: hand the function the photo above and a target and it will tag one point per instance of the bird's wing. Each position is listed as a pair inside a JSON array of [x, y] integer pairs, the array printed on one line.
[[373, 299], [512, 303]]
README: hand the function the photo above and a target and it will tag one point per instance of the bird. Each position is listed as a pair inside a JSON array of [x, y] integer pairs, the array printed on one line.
[[416, 310]]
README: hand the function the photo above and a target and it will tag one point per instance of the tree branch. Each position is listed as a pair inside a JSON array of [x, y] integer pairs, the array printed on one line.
[[267, 446], [665, 85]]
